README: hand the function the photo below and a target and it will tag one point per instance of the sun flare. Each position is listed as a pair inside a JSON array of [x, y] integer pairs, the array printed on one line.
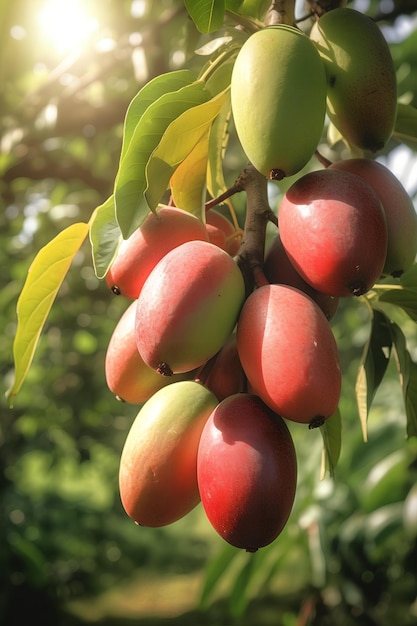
[[67, 24]]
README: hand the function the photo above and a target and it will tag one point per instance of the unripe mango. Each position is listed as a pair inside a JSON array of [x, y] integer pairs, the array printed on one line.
[[289, 354], [127, 376], [139, 254], [278, 92], [362, 87], [158, 465], [400, 213], [188, 307], [246, 471]]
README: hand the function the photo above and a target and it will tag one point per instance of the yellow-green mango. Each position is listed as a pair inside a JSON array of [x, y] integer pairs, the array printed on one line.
[[362, 87], [278, 92], [158, 464]]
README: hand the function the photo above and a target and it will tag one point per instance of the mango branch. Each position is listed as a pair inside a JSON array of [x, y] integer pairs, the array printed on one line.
[[250, 257]]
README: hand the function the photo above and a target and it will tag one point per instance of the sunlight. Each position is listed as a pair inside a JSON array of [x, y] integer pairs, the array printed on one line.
[[67, 24]]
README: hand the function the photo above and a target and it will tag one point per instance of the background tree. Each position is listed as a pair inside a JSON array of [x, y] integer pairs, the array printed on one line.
[[348, 553]]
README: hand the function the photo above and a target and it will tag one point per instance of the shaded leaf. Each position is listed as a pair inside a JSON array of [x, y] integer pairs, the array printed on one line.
[[406, 123], [188, 183], [215, 571], [409, 278], [373, 365], [207, 15], [131, 207], [331, 432], [43, 281], [404, 298], [105, 236], [217, 147], [407, 370], [239, 597], [185, 132]]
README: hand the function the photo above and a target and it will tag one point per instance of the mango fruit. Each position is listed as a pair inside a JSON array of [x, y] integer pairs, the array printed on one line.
[[362, 86], [127, 376], [400, 214], [188, 307], [226, 376], [278, 95], [158, 464], [289, 354], [246, 472], [333, 228], [279, 270], [137, 256]]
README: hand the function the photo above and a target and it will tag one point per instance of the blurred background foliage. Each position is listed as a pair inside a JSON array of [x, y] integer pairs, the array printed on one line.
[[68, 553]]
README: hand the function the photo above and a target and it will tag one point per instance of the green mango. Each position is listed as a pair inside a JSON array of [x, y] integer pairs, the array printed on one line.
[[362, 87], [278, 95], [158, 464]]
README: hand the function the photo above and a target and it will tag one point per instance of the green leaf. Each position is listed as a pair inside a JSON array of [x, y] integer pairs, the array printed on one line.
[[180, 138], [188, 183], [239, 597], [131, 207], [105, 237], [404, 298], [219, 137], [409, 278], [373, 365], [43, 281], [207, 15], [407, 370], [215, 571], [150, 93], [406, 123], [331, 432]]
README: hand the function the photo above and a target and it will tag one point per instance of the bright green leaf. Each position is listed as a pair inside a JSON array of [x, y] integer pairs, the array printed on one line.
[[150, 93], [331, 432], [182, 135], [105, 236], [373, 365], [43, 281], [131, 207], [207, 15], [407, 370], [188, 184]]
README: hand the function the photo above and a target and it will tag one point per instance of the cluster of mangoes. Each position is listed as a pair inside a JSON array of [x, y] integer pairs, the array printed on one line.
[[218, 371]]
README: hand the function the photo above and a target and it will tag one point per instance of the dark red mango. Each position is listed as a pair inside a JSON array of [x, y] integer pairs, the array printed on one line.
[[246, 472]]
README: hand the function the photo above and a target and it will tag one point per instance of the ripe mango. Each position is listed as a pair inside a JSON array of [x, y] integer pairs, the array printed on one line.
[[362, 87], [127, 376], [399, 211], [188, 307], [278, 92], [333, 228], [137, 256], [246, 471], [289, 354], [158, 464]]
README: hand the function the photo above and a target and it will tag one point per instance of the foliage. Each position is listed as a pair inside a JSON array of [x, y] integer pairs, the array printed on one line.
[[349, 539]]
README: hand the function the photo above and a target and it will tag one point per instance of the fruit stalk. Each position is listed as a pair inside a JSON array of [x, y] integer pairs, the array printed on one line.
[[280, 12], [250, 257]]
